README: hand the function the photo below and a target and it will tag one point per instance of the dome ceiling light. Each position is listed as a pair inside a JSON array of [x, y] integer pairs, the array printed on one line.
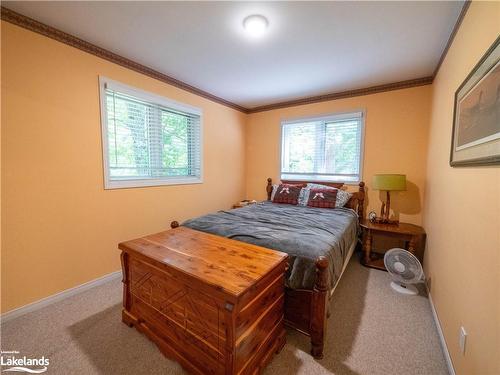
[[255, 25]]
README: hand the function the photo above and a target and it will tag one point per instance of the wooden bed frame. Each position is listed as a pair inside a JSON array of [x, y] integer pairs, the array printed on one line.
[[307, 310]]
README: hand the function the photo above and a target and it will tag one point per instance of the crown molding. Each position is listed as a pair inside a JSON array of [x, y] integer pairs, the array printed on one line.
[[346, 94], [374, 89], [460, 18], [53, 33]]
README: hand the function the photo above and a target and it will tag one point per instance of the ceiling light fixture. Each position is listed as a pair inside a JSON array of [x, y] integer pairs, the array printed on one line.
[[255, 25]]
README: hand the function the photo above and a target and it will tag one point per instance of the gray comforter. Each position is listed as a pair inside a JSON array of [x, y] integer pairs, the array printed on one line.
[[304, 233]]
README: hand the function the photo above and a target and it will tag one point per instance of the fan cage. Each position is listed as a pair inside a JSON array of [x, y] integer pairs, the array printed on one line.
[[413, 271]]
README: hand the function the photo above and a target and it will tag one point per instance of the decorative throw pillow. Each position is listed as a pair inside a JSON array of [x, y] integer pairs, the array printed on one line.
[[301, 194], [342, 195], [322, 198], [288, 194]]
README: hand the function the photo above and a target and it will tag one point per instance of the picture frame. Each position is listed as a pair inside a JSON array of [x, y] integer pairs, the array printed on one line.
[[475, 137]]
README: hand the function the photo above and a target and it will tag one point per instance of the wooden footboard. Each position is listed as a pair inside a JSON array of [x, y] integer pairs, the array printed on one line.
[[306, 310]]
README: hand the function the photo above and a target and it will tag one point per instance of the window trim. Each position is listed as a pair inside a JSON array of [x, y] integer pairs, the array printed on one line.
[[153, 98], [325, 117]]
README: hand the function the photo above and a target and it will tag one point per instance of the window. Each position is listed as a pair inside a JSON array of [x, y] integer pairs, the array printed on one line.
[[147, 139], [326, 148]]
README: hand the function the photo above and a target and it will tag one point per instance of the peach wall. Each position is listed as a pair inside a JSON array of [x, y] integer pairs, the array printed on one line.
[[0, 175], [396, 128], [462, 214], [60, 227]]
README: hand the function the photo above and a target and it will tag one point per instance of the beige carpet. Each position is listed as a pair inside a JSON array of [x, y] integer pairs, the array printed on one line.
[[372, 330]]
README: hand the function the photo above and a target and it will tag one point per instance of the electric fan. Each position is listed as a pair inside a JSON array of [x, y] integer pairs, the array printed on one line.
[[405, 270]]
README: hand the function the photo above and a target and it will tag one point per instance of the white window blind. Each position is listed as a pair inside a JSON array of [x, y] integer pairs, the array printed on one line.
[[323, 149], [147, 139]]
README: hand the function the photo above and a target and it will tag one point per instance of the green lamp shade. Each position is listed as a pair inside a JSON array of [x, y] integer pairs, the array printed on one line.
[[389, 182]]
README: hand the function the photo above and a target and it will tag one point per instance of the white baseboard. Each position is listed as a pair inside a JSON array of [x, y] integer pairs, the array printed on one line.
[[12, 314], [447, 356]]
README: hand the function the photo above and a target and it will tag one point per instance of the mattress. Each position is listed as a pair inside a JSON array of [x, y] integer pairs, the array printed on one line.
[[304, 233]]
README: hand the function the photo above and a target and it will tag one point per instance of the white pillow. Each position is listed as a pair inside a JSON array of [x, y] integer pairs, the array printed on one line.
[[275, 187]]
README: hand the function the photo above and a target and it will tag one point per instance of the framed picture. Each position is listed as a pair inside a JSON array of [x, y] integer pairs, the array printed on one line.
[[476, 119]]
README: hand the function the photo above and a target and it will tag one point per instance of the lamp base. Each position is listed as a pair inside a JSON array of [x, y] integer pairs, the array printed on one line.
[[385, 212]]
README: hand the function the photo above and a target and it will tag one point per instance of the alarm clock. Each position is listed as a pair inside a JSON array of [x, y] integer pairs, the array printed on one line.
[[372, 216]]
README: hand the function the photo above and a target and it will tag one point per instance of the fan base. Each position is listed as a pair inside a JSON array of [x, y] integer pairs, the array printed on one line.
[[409, 289]]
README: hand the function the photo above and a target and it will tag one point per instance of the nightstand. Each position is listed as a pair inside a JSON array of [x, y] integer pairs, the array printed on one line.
[[244, 203], [413, 235]]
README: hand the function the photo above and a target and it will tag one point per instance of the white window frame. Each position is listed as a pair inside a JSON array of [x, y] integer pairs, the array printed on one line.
[[327, 117], [152, 98]]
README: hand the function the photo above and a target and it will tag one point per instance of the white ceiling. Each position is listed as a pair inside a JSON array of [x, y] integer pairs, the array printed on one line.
[[311, 48]]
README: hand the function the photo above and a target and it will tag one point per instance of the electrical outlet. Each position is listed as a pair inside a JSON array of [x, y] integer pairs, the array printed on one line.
[[462, 339]]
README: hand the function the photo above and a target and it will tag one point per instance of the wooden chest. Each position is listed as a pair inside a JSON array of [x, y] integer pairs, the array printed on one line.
[[213, 304]]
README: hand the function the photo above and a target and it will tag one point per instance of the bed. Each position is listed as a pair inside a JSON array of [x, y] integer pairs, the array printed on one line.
[[319, 242]]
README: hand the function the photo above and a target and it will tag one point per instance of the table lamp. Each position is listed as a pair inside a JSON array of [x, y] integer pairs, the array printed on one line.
[[388, 183]]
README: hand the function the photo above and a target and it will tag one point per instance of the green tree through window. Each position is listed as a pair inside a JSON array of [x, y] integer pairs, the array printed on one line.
[[146, 140]]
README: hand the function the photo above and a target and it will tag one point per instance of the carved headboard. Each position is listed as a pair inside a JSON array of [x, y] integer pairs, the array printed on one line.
[[356, 202]]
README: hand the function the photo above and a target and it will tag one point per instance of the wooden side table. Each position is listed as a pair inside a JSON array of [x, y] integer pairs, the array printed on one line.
[[240, 204], [412, 234]]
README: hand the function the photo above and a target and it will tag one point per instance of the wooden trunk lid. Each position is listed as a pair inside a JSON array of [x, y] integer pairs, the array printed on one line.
[[227, 265]]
